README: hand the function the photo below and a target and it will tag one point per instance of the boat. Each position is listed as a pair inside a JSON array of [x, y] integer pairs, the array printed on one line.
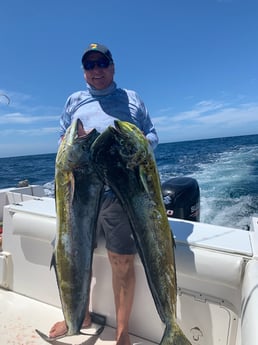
[[217, 278]]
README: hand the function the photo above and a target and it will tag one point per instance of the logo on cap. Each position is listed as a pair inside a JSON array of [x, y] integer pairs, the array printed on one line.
[[93, 46]]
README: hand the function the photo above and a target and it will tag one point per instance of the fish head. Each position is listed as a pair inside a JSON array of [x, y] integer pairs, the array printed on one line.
[[74, 148], [133, 145], [122, 152]]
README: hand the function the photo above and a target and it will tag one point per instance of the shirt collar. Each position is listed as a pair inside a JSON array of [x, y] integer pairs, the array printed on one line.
[[103, 92]]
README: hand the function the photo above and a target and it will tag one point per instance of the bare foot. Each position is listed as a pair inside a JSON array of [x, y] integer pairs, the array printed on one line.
[[60, 327]]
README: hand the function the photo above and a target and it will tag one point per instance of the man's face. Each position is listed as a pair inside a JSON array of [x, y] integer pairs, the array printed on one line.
[[98, 77]]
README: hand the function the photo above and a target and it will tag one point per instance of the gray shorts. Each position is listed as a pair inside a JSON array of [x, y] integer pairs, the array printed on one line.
[[115, 225]]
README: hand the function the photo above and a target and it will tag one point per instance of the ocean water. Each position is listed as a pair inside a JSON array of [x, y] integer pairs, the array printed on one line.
[[226, 170]]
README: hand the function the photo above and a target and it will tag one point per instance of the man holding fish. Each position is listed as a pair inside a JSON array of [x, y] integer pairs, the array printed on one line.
[[97, 107]]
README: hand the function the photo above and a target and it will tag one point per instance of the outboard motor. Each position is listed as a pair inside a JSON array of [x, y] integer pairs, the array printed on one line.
[[181, 197]]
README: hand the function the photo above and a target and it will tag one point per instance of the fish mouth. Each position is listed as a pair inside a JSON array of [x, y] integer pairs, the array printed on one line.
[[118, 129], [115, 128], [80, 131], [118, 126], [83, 134]]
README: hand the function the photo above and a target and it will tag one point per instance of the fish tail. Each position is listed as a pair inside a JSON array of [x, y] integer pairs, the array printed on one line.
[[174, 336]]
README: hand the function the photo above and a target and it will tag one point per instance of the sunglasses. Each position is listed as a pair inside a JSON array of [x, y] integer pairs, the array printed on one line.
[[101, 63]]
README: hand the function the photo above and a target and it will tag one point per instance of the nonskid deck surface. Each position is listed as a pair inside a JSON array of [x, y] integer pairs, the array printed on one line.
[[20, 316]]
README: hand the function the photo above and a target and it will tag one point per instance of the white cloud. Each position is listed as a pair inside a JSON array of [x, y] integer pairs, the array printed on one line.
[[31, 132], [245, 113], [19, 118], [208, 119]]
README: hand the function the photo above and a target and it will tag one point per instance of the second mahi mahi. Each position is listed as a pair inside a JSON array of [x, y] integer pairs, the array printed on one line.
[[123, 156]]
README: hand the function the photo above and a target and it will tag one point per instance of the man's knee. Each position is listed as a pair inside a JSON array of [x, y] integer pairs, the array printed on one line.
[[122, 265]]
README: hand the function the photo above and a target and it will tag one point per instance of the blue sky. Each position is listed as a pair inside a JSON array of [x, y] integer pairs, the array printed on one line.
[[193, 62]]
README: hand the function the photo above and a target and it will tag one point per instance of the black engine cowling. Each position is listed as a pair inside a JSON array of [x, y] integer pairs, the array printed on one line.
[[181, 197]]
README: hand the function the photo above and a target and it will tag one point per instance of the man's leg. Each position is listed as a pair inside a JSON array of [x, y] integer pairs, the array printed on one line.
[[123, 279]]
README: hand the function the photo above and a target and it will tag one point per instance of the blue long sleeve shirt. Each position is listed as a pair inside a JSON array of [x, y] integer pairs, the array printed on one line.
[[99, 108]]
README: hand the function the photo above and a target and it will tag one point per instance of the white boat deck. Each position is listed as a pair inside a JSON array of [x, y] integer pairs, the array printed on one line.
[[217, 276], [20, 316]]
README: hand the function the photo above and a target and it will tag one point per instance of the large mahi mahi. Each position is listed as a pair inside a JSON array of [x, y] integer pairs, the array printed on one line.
[[124, 157], [78, 191]]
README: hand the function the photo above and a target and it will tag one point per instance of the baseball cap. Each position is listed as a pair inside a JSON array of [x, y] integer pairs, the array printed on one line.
[[96, 47]]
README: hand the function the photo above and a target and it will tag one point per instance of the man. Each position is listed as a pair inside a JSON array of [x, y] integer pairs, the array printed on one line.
[[97, 107]]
